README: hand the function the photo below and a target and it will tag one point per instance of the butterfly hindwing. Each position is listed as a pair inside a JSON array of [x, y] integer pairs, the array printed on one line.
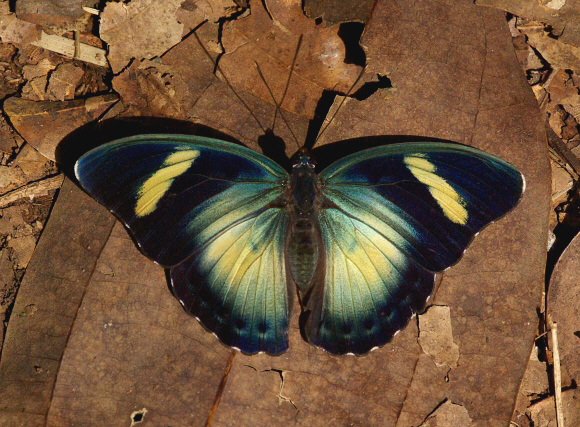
[[370, 288], [236, 284], [208, 210], [395, 215]]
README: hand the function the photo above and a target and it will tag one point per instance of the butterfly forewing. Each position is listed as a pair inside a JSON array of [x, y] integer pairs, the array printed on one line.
[[430, 198], [167, 189]]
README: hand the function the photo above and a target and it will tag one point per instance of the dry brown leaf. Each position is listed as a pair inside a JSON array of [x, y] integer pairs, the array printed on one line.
[[562, 15], [64, 81], [534, 383], [448, 415], [42, 68], [14, 30], [56, 14], [269, 38], [543, 413], [564, 306], [573, 110], [33, 164], [193, 12], [139, 29], [337, 11], [562, 89], [559, 55], [11, 178], [562, 182], [30, 118], [23, 248]]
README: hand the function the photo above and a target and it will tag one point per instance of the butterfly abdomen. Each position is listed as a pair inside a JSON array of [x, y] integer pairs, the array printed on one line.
[[302, 251]]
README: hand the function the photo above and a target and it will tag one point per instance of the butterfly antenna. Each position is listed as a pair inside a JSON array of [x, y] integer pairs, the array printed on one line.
[[217, 67], [289, 77], [277, 106], [339, 106]]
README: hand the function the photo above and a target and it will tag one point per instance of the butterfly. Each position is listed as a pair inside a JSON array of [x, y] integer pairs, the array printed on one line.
[[361, 241]]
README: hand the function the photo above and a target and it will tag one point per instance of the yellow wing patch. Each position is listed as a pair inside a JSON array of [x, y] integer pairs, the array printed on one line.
[[246, 261], [447, 198], [153, 189]]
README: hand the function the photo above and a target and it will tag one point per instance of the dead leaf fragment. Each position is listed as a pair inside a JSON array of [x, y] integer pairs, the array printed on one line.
[[562, 89], [155, 88], [556, 121], [37, 78], [558, 54], [14, 30], [55, 13], [42, 68], [31, 118], [139, 29], [320, 63], [64, 81], [564, 306], [34, 165], [191, 13], [535, 380], [562, 15], [562, 181], [23, 248], [11, 178], [543, 413], [337, 11], [436, 336], [534, 383], [9, 140], [449, 415]]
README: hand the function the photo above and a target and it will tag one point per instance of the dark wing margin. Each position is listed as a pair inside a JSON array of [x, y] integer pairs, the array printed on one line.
[[396, 215]]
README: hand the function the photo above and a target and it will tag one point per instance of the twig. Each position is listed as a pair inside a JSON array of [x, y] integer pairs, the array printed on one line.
[[557, 373], [91, 10], [220, 389], [77, 52], [31, 189], [66, 47]]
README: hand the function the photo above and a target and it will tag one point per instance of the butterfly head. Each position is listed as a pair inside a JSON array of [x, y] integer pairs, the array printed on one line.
[[303, 159]]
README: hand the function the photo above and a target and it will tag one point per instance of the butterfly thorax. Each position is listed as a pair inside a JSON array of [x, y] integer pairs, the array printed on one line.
[[304, 186], [303, 239]]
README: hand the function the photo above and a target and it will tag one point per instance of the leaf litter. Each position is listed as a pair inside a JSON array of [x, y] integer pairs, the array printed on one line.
[[152, 77]]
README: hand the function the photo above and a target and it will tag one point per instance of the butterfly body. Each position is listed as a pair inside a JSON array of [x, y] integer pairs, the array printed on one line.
[[303, 243], [361, 240]]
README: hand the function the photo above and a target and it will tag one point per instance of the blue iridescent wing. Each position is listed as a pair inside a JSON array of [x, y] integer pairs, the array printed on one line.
[[393, 216], [211, 212]]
